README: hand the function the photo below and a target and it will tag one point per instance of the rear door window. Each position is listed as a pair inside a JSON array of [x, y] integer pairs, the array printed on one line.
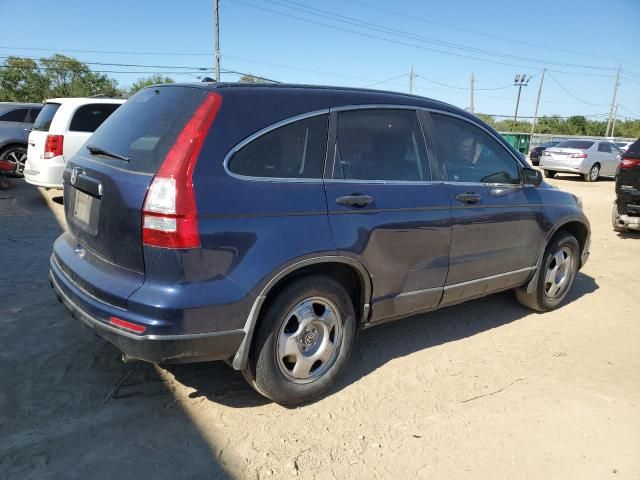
[[295, 150], [145, 127], [380, 144], [88, 118], [45, 117], [18, 115], [604, 147], [467, 153]]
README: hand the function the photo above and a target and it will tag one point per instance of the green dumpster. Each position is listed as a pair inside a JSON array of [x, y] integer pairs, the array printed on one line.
[[519, 141]]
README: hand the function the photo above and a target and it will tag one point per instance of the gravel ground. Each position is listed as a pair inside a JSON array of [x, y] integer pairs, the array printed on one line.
[[486, 389]]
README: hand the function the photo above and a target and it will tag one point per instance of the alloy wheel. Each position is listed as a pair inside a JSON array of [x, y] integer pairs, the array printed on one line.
[[18, 158], [309, 340], [558, 275]]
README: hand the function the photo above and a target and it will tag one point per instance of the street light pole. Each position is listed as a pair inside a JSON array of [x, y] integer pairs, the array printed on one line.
[[519, 81]]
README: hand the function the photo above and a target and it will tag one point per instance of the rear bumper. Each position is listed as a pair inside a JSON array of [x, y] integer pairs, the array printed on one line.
[[196, 347], [563, 166], [49, 177]]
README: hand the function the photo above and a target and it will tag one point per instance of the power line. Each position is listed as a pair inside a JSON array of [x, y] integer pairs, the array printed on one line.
[[387, 80], [368, 35], [383, 29], [63, 61], [461, 88], [571, 94], [475, 32]]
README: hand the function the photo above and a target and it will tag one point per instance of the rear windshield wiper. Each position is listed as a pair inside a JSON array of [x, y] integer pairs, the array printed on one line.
[[101, 151]]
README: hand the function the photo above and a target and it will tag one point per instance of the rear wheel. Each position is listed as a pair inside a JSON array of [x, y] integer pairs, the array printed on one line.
[[556, 275], [17, 156], [550, 173], [593, 174], [303, 341]]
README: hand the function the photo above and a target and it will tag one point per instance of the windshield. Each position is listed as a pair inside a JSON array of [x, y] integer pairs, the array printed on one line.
[[580, 144], [45, 117]]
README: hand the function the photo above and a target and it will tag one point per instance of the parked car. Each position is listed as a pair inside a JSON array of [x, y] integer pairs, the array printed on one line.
[[61, 128], [265, 225], [16, 121], [536, 152], [624, 145], [590, 158], [626, 208]]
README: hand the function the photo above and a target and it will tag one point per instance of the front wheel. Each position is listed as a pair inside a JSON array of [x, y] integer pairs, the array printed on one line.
[[303, 341], [549, 173], [593, 174], [556, 275]]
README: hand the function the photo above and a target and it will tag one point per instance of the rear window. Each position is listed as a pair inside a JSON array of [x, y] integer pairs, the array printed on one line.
[[580, 144], [89, 117], [45, 117], [549, 144], [146, 126]]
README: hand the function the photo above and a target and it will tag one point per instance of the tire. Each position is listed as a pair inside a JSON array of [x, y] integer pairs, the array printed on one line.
[[593, 173], [543, 299], [550, 173], [5, 183], [614, 219], [17, 155], [299, 320]]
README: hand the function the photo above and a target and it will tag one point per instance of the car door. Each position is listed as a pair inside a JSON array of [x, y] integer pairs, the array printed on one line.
[[614, 159], [496, 221], [13, 123], [384, 210], [603, 157]]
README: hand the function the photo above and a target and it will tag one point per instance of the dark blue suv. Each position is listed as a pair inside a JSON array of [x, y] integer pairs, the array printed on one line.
[[265, 225]]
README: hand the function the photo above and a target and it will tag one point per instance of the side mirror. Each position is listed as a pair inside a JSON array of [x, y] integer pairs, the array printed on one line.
[[530, 177]]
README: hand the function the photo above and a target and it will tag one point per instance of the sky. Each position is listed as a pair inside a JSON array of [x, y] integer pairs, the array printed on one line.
[[358, 43]]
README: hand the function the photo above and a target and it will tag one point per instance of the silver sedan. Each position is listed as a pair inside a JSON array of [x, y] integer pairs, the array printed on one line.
[[590, 158]]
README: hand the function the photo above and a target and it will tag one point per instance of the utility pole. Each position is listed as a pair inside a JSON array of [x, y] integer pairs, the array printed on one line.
[[411, 80], [520, 81], [471, 106], [216, 17], [615, 117], [535, 115], [613, 100]]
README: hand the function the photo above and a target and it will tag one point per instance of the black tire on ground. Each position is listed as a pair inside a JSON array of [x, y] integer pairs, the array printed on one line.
[[593, 173], [550, 173], [17, 155], [614, 219], [5, 183], [563, 245], [264, 370]]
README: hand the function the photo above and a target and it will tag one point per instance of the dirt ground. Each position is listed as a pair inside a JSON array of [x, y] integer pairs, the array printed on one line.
[[481, 390]]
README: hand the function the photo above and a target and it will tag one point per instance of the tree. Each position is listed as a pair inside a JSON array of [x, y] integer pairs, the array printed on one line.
[[21, 81], [68, 77], [148, 81], [246, 78]]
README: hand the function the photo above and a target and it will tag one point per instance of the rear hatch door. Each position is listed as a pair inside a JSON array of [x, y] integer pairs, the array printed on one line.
[[104, 192], [38, 136]]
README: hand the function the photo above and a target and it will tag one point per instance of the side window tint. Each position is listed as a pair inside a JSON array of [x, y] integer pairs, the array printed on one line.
[[468, 154], [295, 150], [380, 145], [604, 147], [17, 115], [33, 114], [89, 117]]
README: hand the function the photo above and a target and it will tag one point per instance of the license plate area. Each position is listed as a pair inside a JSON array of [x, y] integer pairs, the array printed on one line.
[[82, 207], [85, 210]]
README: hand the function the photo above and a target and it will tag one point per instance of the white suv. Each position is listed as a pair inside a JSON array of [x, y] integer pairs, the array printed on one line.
[[61, 128]]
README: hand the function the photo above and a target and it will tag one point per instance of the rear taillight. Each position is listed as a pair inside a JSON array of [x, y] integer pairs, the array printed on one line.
[[169, 216], [578, 155], [630, 163], [53, 146]]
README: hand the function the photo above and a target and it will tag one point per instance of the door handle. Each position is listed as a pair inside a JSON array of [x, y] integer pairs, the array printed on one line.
[[355, 200], [468, 197]]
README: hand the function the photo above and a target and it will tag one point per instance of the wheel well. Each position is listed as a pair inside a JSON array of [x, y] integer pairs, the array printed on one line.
[[344, 274], [578, 230], [11, 145]]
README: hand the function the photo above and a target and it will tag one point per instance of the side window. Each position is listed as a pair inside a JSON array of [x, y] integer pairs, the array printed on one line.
[[89, 117], [17, 115], [615, 149], [468, 154], [33, 114], [295, 150], [380, 144], [604, 147]]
